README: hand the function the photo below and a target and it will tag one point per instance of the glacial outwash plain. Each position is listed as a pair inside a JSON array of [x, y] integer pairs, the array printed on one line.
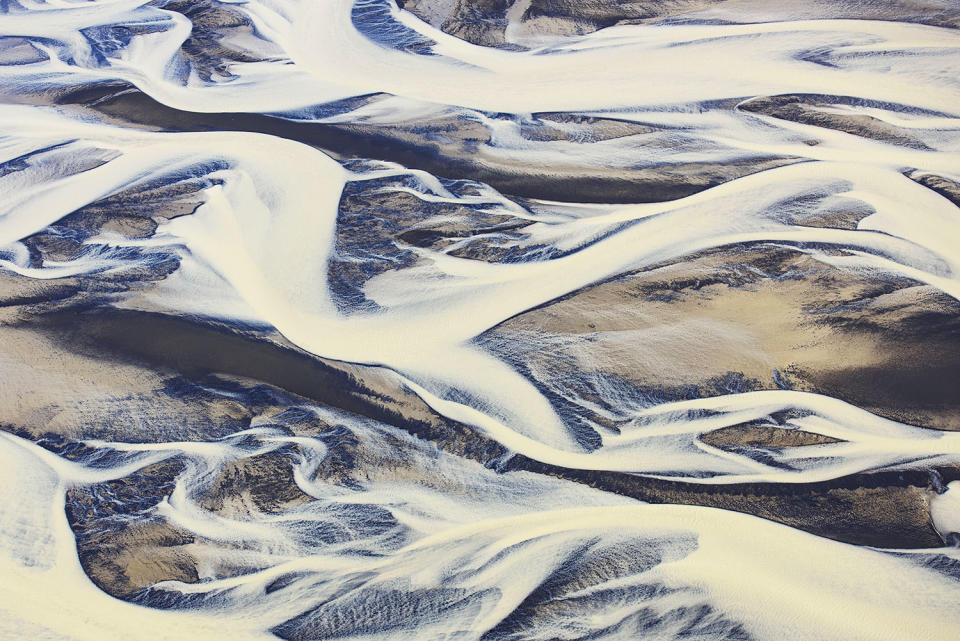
[[480, 320]]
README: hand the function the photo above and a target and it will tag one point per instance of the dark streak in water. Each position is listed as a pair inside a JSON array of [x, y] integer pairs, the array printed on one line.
[[360, 141]]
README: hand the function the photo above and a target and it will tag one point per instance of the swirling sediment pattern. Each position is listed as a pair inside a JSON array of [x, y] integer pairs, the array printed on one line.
[[494, 320]]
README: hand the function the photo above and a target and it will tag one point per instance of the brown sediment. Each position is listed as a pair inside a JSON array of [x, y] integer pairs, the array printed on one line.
[[575, 17], [125, 546], [262, 483], [217, 37], [122, 565], [809, 110], [484, 22], [885, 509], [116, 340], [17, 290], [776, 318], [127, 356], [77, 395], [758, 435], [877, 510], [459, 156], [221, 354], [938, 13], [949, 189], [544, 21], [480, 22], [446, 146], [578, 128], [881, 509], [122, 548], [381, 227]]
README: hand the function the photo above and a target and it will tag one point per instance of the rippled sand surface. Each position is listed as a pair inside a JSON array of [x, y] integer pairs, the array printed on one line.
[[494, 320]]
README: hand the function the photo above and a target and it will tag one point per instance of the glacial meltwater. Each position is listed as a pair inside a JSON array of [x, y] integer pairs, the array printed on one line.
[[493, 320]]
